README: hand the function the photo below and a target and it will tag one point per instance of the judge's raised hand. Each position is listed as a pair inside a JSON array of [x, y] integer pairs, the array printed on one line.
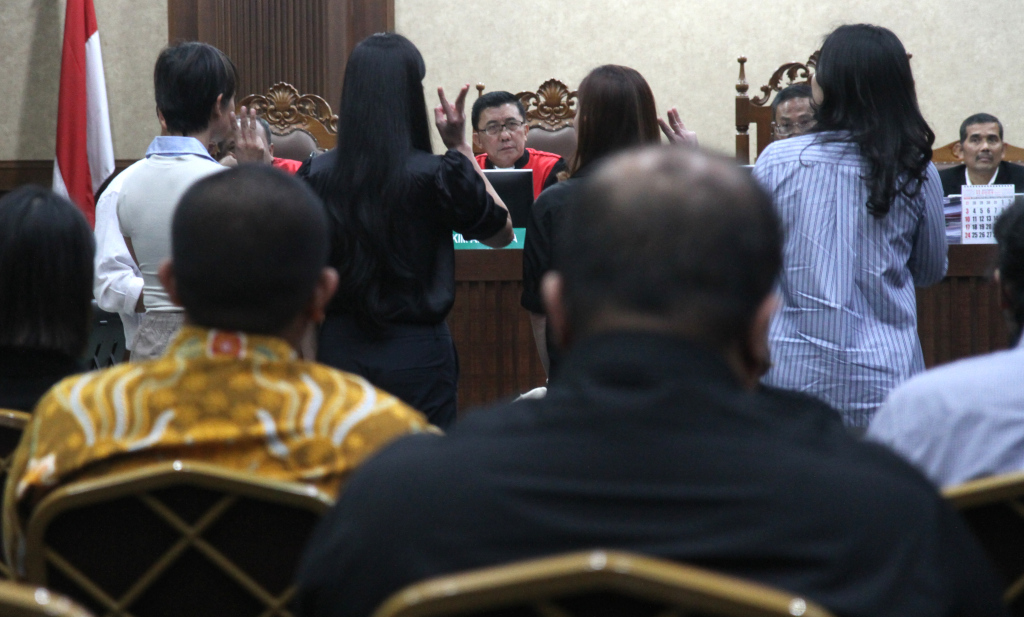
[[451, 121], [250, 142], [676, 131]]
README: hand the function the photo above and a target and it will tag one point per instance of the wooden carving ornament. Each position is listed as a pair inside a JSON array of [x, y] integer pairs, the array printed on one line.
[[793, 72], [286, 111], [551, 107]]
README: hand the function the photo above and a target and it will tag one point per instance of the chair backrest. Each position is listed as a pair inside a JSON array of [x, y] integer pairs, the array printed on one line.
[[12, 425], [550, 114], [945, 156], [106, 345], [177, 538], [757, 110], [595, 584], [994, 510], [300, 123], [17, 600]]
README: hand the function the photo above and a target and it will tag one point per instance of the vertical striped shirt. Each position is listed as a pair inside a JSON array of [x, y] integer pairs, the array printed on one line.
[[846, 330]]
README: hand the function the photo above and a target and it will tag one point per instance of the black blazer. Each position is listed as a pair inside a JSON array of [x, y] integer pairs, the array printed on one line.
[[1009, 173]]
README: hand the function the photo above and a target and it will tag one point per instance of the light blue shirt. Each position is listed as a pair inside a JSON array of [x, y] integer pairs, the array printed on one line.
[[173, 145], [846, 330], [960, 421]]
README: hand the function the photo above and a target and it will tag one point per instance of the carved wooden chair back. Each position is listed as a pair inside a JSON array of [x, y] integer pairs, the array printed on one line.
[[946, 156], [550, 114], [595, 584], [17, 600], [758, 110], [177, 538], [994, 510], [300, 123]]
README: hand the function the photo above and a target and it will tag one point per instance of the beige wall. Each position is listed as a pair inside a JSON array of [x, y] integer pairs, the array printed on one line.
[[686, 49], [964, 59], [131, 34]]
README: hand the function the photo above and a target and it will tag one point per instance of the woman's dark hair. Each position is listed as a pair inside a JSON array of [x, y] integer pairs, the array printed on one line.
[[868, 88], [187, 80], [46, 253], [1009, 233], [616, 111], [382, 119]]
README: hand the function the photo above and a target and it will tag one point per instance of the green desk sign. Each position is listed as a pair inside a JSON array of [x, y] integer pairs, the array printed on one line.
[[462, 244]]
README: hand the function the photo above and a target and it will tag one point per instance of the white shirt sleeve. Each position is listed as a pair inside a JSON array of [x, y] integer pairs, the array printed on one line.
[[117, 282]]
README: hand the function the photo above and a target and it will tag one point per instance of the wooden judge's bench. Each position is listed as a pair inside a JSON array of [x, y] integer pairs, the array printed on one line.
[[958, 317]]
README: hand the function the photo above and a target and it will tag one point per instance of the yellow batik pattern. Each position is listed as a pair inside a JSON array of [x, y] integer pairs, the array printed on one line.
[[241, 401]]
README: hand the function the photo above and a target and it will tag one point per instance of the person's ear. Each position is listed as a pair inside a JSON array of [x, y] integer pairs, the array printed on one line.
[[168, 279], [552, 291], [958, 151], [756, 353], [526, 130], [218, 109], [163, 122], [477, 146], [326, 285], [270, 150]]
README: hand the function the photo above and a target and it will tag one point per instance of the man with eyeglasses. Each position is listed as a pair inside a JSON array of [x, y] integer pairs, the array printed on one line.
[[499, 129], [791, 111]]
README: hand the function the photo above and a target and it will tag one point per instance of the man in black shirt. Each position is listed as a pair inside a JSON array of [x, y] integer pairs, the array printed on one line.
[[981, 149], [654, 438]]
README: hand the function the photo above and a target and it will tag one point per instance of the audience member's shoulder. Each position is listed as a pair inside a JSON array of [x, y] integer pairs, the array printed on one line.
[[348, 393], [90, 385]]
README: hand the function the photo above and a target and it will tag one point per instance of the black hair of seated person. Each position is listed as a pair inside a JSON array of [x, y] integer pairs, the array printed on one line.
[[616, 111], [381, 120], [794, 91], [674, 236], [981, 118], [869, 96], [46, 256], [248, 245], [494, 99], [187, 80], [1009, 233]]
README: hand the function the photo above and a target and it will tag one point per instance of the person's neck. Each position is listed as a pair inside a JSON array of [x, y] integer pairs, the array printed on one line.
[[293, 333], [978, 177], [205, 136]]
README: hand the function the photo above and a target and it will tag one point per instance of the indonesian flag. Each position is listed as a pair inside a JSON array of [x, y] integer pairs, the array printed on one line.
[[85, 156]]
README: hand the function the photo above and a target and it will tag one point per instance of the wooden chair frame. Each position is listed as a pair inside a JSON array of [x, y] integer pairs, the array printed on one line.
[[757, 110], [17, 600], [1005, 488], [138, 483], [287, 111], [10, 420], [537, 581]]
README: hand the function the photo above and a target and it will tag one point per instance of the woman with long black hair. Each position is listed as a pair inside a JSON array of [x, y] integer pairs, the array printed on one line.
[[861, 207], [393, 206]]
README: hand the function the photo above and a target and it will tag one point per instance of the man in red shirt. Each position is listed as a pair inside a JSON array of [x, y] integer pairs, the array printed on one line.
[[499, 129]]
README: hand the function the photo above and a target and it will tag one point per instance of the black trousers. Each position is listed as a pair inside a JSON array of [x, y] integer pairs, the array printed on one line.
[[416, 363]]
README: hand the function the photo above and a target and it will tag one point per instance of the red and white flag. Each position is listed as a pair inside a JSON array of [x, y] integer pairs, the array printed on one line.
[[85, 154]]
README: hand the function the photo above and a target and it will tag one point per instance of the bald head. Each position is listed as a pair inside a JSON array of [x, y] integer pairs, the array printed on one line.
[[673, 239]]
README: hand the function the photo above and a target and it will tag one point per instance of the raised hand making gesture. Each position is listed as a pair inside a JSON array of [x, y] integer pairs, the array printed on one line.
[[451, 121], [676, 131], [250, 143]]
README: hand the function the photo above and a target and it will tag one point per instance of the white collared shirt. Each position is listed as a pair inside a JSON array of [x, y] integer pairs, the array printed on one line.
[[117, 282], [967, 177]]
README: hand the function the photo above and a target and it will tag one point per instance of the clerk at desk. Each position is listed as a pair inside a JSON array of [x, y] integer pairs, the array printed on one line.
[[981, 150]]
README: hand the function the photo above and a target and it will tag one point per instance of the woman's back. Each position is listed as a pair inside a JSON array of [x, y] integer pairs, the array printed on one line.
[[846, 331]]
